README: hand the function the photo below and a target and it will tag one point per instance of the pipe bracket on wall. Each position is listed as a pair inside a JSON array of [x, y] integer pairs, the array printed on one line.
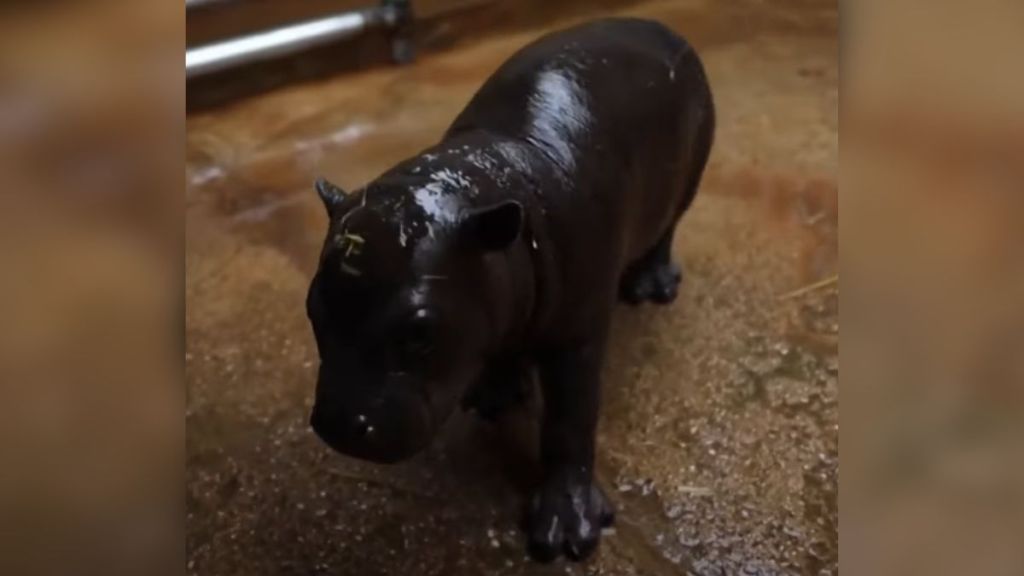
[[295, 38]]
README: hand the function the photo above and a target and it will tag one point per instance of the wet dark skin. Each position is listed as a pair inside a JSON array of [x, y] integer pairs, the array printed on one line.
[[504, 248]]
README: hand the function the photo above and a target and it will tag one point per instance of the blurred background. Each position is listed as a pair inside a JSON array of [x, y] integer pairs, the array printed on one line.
[[932, 176], [91, 396], [125, 303]]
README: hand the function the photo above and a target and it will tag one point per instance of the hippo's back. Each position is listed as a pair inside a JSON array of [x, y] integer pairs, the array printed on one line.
[[606, 78], [619, 106]]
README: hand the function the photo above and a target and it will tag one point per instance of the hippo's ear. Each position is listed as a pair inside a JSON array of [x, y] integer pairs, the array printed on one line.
[[495, 227], [331, 194]]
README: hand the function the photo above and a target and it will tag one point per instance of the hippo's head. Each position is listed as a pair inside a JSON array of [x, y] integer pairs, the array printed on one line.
[[405, 305]]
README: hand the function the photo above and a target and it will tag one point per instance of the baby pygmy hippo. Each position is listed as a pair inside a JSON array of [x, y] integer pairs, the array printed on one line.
[[503, 249]]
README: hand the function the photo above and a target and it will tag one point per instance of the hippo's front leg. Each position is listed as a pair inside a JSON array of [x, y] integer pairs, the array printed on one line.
[[568, 510]]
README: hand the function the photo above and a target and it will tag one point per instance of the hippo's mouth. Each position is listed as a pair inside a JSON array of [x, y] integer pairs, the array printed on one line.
[[384, 437]]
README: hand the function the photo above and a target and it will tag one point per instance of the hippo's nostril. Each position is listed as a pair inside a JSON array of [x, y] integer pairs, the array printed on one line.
[[362, 427]]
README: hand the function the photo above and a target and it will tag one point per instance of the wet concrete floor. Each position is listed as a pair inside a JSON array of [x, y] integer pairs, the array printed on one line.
[[719, 431]]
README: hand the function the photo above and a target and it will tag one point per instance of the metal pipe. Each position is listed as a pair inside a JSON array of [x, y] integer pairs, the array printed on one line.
[[192, 4], [280, 41]]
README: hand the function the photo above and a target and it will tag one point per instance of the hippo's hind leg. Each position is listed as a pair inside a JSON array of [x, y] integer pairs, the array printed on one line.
[[654, 277]]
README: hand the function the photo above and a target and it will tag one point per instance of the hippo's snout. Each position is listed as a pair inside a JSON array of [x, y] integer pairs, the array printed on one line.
[[389, 431]]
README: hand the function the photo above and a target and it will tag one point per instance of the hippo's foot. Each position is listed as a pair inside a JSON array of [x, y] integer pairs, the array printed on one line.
[[566, 516], [650, 280], [503, 386]]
